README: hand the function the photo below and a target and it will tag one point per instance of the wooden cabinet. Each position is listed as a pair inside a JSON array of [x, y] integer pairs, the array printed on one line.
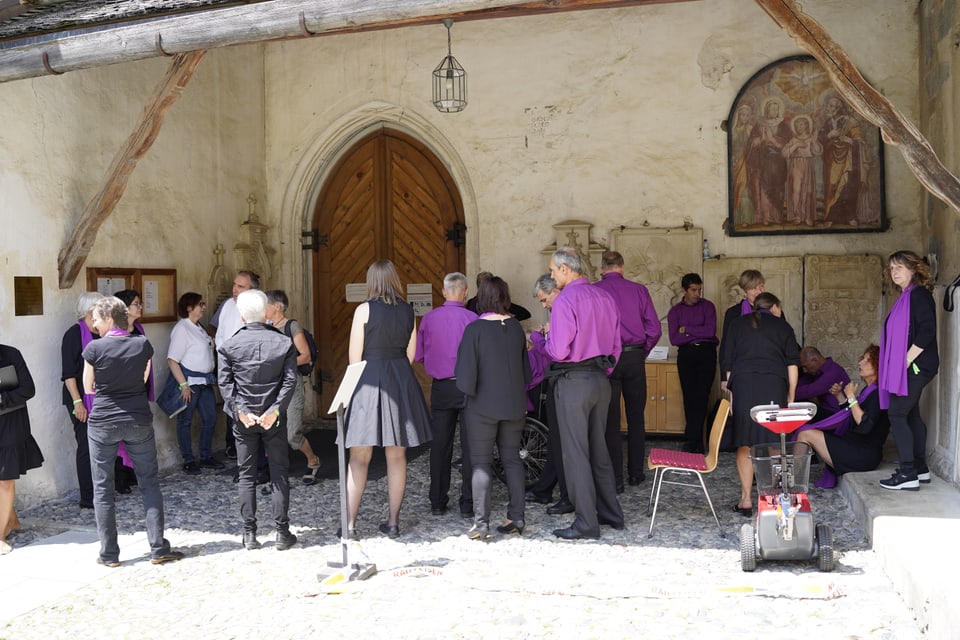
[[664, 410]]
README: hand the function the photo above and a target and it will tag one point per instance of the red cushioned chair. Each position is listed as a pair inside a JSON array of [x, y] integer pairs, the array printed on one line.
[[669, 461]]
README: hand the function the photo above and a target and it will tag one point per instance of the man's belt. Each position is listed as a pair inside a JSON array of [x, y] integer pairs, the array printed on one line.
[[632, 347], [597, 363], [698, 344]]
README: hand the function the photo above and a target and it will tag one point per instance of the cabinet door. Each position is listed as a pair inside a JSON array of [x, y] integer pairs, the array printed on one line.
[[671, 400]]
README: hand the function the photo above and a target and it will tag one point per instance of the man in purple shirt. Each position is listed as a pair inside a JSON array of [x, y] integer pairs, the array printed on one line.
[[545, 291], [819, 375], [639, 332], [692, 324], [584, 342], [437, 341]]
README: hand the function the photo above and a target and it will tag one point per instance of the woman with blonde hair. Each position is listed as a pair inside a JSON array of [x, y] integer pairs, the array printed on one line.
[[387, 409]]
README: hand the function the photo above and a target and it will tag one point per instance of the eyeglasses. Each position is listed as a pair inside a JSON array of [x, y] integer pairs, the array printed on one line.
[[136, 304], [202, 303]]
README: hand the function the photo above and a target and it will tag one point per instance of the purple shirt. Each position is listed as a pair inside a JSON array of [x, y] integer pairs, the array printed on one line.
[[439, 337], [817, 385], [584, 324], [639, 323], [699, 322]]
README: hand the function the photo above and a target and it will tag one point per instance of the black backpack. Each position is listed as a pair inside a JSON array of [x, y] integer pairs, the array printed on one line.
[[304, 369]]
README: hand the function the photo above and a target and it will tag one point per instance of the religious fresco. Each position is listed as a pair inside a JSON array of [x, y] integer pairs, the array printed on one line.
[[800, 160]]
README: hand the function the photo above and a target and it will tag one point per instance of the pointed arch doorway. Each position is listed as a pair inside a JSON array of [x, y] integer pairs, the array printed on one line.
[[389, 197]]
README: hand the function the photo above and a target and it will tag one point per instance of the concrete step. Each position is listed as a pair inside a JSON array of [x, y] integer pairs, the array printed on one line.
[[915, 534]]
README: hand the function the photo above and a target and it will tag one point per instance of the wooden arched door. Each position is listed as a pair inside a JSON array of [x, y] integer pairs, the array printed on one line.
[[388, 197]]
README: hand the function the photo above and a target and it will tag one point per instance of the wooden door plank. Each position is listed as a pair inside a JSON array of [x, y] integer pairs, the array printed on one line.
[[84, 234], [867, 101]]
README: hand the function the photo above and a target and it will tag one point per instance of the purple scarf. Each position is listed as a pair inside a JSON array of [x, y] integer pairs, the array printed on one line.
[[745, 307], [893, 349], [840, 421]]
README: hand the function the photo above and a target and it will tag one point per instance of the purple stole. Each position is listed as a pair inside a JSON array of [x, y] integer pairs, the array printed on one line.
[[892, 368], [840, 421], [745, 307]]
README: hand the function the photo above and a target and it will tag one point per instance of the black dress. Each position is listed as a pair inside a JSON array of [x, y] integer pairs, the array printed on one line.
[[861, 447], [757, 358], [387, 407], [19, 452]]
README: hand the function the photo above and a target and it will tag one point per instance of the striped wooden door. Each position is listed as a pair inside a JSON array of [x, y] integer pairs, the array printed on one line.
[[388, 197]]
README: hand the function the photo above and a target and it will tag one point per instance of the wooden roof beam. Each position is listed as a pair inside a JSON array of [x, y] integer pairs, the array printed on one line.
[[264, 22], [84, 234]]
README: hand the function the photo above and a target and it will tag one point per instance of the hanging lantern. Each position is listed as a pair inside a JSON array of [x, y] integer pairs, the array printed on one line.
[[449, 81]]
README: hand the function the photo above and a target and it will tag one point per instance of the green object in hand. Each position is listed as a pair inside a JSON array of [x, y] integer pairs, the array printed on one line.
[[915, 368]]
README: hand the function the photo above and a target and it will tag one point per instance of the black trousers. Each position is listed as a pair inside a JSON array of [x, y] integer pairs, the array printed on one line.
[[446, 406], [552, 473], [582, 401], [482, 431], [696, 365], [907, 425], [274, 443], [84, 476], [629, 378]]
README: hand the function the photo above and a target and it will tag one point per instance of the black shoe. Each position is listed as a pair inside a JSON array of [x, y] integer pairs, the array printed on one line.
[[515, 526], [192, 468], [351, 533], [635, 480], [613, 524], [561, 507], [619, 488], [285, 539], [236, 477], [169, 556], [572, 534], [533, 497], [310, 477], [438, 511], [903, 481], [122, 487], [392, 531], [923, 472], [211, 463], [230, 452], [466, 513], [86, 504], [113, 564], [250, 542], [744, 511], [266, 490]]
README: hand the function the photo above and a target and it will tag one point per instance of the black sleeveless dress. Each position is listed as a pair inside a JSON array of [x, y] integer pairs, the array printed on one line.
[[387, 407]]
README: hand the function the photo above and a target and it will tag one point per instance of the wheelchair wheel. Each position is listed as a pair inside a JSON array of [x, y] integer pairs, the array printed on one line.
[[533, 452]]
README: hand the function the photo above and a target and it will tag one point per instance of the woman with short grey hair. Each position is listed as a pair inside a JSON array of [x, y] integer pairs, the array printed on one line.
[[78, 336]]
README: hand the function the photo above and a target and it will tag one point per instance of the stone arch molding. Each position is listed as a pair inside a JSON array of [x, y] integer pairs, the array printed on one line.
[[322, 154]]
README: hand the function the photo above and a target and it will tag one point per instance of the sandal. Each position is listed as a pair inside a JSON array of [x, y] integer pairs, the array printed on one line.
[[744, 511], [313, 470]]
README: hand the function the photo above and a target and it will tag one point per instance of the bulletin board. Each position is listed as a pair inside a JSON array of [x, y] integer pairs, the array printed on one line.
[[157, 287]]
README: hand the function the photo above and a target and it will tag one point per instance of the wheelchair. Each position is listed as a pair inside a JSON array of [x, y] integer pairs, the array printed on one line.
[[533, 442]]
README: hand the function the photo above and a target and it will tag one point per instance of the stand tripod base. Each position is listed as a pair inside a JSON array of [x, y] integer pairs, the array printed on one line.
[[338, 576]]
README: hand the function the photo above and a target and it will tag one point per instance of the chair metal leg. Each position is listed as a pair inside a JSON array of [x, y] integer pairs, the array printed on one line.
[[653, 487], [710, 502], [658, 482]]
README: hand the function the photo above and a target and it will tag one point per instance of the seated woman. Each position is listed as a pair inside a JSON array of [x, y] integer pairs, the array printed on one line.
[[851, 439]]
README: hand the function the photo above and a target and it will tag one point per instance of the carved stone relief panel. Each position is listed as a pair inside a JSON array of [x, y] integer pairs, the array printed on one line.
[[783, 276], [658, 259], [843, 306]]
